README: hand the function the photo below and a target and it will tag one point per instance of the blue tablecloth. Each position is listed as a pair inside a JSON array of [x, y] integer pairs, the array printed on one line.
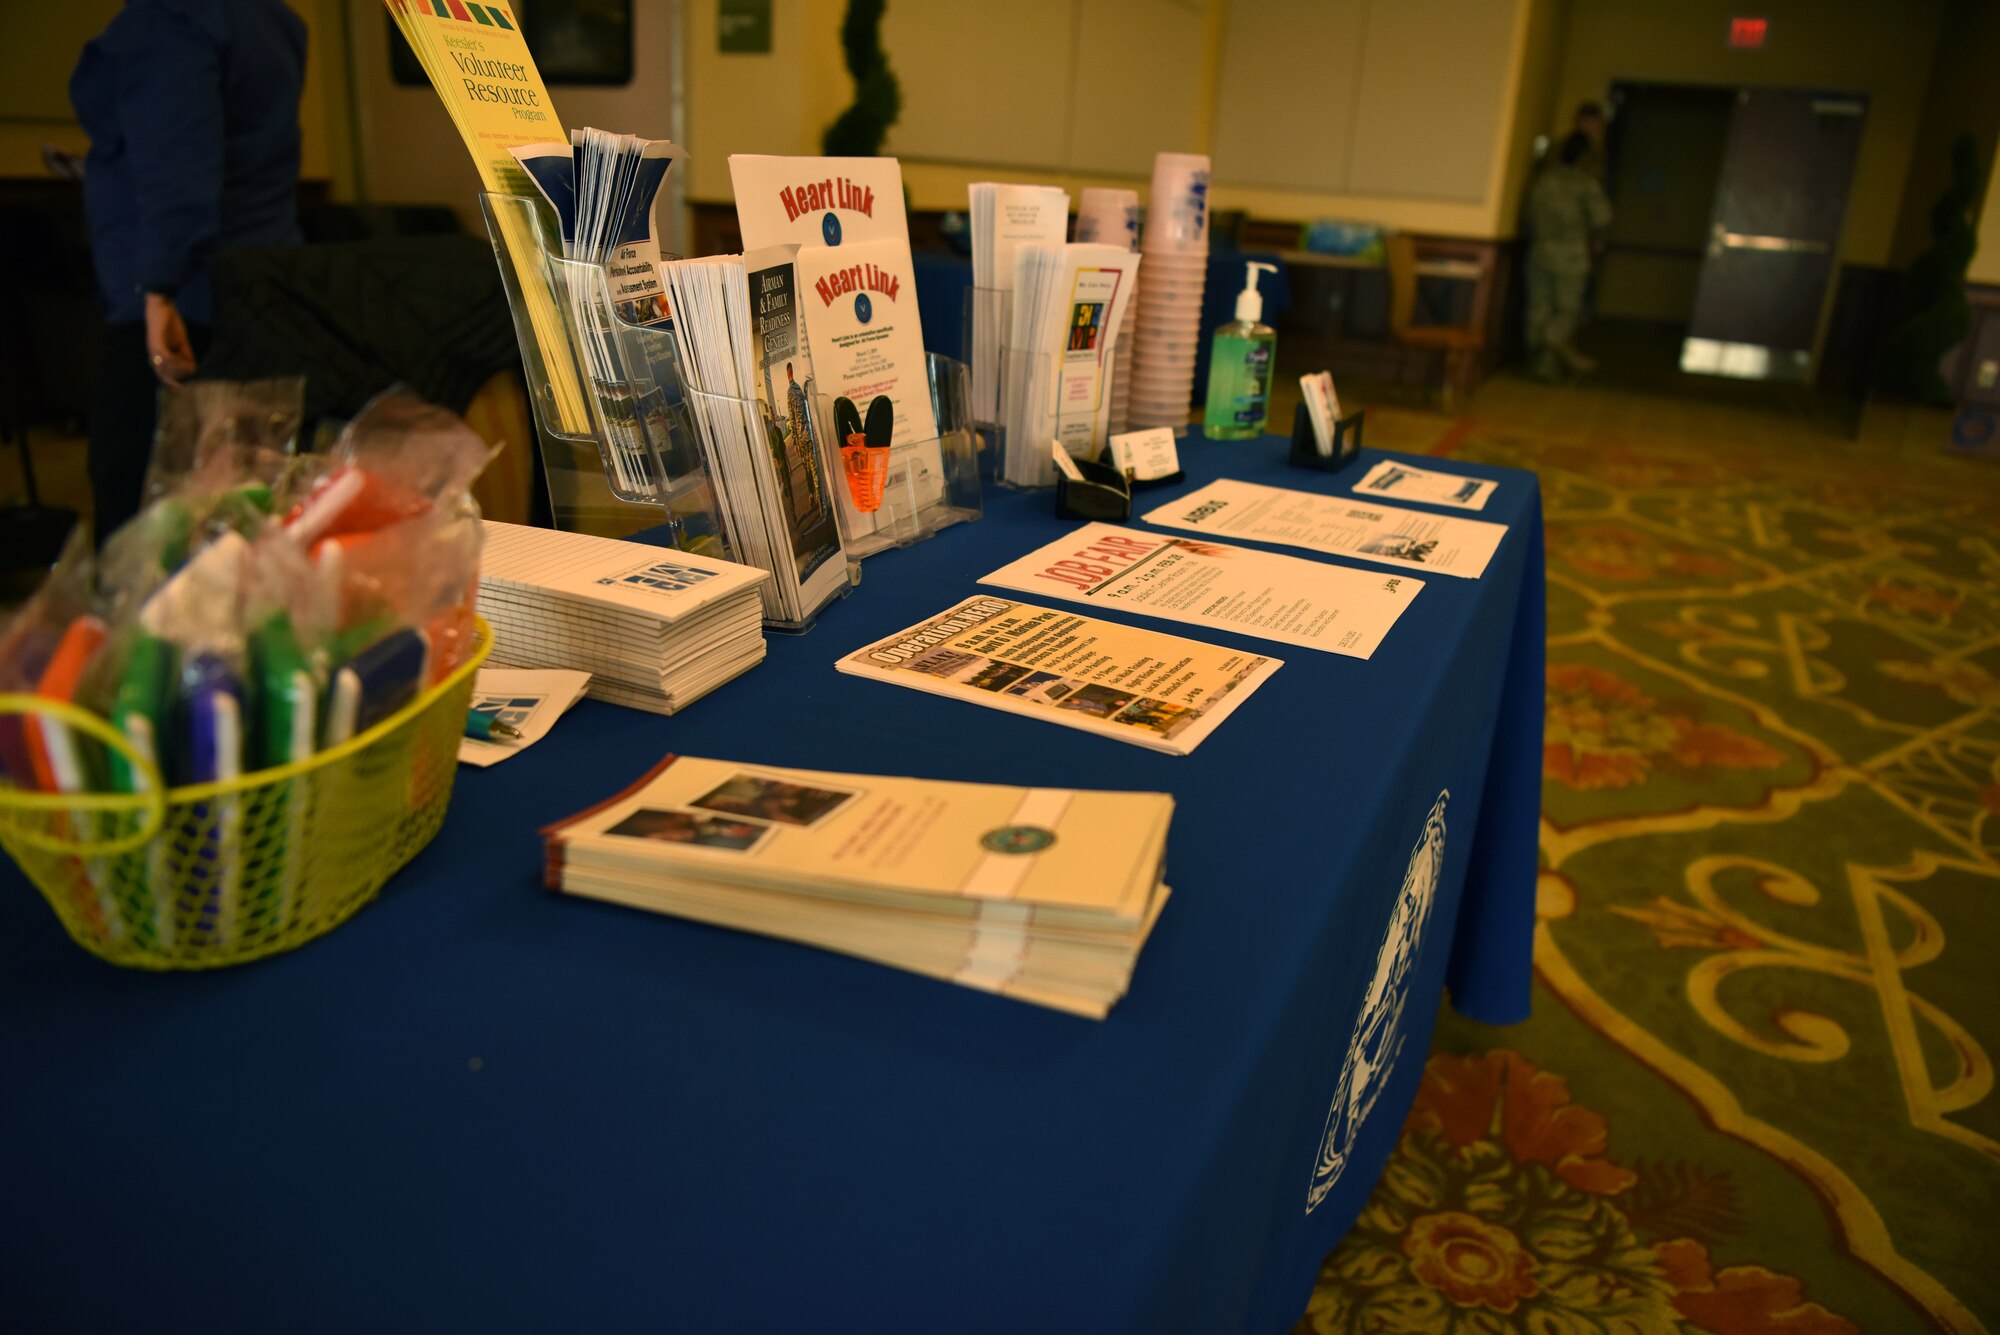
[[479, 1105]]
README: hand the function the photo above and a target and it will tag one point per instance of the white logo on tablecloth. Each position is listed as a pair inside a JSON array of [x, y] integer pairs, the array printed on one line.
[[1378, 1035]]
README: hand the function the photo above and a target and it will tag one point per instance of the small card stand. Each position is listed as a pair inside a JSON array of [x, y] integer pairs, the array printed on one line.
[[1101, 496], [1346, 441], [1142, 483]]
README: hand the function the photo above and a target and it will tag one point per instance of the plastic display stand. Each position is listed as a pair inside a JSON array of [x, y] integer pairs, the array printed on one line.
[[615, 453], [932, 484], [623, 441]]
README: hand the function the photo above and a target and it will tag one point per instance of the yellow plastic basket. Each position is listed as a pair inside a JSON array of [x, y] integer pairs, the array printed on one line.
[[219, 873]]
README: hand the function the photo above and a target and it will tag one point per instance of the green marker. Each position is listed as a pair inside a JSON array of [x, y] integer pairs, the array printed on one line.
[[142, 710], [285, 710], [484, 727], [287, 697]]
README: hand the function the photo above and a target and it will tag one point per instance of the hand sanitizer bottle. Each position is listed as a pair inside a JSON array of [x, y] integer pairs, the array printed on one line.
[[1240, 366]]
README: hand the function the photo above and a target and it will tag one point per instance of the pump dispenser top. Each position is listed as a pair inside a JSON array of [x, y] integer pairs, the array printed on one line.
[[1250, 302]]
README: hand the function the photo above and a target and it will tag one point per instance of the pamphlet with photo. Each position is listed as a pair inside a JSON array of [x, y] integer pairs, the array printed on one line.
[[1140, 686], [1044, 895]]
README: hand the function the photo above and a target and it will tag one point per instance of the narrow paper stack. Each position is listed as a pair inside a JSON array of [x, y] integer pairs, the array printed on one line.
[[1004, 218], [1041, 894], [1167, 329], [656, 629], [1069, 303], [1111, 217], [750, 381]]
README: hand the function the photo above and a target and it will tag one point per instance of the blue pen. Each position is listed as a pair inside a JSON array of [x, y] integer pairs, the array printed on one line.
[[213, 697], [375, 683]]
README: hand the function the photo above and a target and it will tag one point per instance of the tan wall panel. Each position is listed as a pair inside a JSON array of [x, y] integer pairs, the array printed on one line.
[[1435, 76], [1958, 99], [1137, 84], [43, 42], [1284, 114], [1986, 261], [983, 82], [1534, 105]]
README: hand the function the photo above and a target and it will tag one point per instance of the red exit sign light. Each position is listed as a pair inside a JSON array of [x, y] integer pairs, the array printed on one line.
[[1748, 34]]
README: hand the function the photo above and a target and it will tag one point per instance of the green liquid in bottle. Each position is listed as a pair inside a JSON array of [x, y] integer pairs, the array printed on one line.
[[1239, 381]]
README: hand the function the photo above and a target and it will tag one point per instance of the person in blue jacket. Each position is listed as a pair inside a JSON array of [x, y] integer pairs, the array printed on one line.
[[192, 108]]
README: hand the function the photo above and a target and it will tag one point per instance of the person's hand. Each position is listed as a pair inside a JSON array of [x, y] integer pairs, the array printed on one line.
[[167, 340]]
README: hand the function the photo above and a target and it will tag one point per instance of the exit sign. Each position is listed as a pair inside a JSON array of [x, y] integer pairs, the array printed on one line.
[[1748, 34]]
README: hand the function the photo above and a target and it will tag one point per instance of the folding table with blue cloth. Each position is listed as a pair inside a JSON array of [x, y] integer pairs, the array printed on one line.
[[481, 1105]]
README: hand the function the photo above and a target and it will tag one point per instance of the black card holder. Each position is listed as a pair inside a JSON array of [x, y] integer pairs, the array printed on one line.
[[1346, 441], [1141, 483], [1102, 495]]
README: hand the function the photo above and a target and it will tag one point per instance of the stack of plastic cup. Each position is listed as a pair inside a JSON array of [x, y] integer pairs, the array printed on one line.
[[1111, 217], [1167, 325]]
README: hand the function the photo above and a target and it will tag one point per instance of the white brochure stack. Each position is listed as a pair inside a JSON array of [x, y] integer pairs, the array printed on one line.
[[1111, 217]]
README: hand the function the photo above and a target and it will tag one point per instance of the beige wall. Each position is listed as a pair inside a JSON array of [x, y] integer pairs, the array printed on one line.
[[1875, 47], [41, 48], [1959, 98], [43, 42], [1307, 106], [1986, 262], [775, 103]]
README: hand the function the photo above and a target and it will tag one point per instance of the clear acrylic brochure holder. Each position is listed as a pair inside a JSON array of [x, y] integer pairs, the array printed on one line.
[[1025, 400], [783, 518], [925, 485], [616, 448]]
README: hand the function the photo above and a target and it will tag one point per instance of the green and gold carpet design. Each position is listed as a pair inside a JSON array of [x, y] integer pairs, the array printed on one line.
[[1756, 1094]]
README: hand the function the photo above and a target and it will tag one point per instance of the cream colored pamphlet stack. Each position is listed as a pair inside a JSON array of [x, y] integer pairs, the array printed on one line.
[[655, 628], [1040, 894]]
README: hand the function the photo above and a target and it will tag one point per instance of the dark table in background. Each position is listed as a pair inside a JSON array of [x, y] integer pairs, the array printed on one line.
[[479, 1105]]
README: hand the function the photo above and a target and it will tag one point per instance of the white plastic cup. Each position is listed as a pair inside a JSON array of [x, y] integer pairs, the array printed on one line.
[[1177, 208], [1109, 217]]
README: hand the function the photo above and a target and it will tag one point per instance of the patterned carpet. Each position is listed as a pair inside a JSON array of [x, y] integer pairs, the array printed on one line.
[[1756, 1094]]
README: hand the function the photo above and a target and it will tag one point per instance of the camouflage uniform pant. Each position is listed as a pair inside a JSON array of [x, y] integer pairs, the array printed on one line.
[[1555, 307]]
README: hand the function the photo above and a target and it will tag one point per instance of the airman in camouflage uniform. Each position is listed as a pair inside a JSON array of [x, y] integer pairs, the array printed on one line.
[[1567, 212]]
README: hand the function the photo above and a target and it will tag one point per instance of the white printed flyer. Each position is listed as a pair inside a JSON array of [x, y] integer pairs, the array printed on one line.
[[1333, 608], [1141, 686], [817, 201], [1409, 483], [1337, 525]]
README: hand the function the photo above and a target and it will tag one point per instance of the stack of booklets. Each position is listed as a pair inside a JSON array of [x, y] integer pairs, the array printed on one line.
[[1041, 894], [655, 628], [750, 384]]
